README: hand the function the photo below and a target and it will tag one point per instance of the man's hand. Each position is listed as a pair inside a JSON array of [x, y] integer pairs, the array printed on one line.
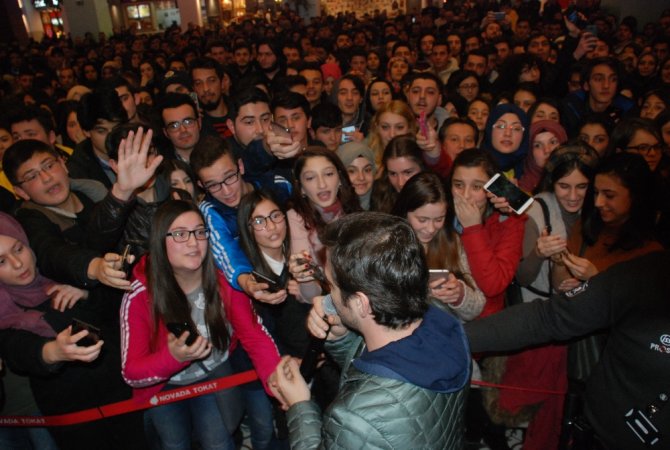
[[132, 171], [587, 43], [280, 146], [319, 327], [289, 384], [429, 143]]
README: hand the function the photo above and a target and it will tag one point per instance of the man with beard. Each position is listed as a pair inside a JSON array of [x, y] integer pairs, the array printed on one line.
[[270, 59], [208, 79], [241, 65]]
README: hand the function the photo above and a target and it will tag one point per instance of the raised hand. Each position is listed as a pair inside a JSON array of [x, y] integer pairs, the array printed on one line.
[[133, 166]]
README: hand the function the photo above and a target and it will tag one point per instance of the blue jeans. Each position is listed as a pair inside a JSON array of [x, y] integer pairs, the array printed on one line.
[[256, 404], [176, 422], [26, 439]]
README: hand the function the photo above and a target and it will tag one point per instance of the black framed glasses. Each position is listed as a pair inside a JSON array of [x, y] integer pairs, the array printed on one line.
[[646, 148], [188, 122], [180, 236], [217, 186], [259, 223]]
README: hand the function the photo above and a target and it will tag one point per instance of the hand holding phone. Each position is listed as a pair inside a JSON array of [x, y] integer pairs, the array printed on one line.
[[125, 260], [178, 328], [94, 334], [280, 130], [273, 285], [438, 274], [517, 199]]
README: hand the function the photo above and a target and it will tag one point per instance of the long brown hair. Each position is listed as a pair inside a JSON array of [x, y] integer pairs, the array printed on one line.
[[442, 252], [169, 301], [346, 194]]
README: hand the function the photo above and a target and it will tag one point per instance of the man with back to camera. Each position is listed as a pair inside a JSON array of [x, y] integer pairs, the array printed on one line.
[[406, 386], [626, 397]]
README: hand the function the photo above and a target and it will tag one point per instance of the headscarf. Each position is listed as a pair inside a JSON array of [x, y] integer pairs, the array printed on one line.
[[331, 70], [532, 173], [352, 150], [507, 161], [16, 301]]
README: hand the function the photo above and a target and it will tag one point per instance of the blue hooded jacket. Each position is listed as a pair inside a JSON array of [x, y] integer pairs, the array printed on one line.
[[435, 357]]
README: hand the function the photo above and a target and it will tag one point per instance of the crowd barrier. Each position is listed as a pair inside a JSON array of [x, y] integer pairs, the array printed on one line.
[[175, 395]]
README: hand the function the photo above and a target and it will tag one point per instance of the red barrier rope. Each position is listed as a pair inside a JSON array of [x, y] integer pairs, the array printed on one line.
[[516, 388], [175, 395], [126, 406]]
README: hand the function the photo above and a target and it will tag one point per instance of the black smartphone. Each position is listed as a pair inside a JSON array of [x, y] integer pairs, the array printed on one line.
[[500, 186], [273, 286], [94, 334], [125, 265], [178, 328], [318, 273], [572, 14]]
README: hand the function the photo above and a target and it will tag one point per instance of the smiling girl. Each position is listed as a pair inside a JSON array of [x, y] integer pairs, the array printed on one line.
[[423, 202]]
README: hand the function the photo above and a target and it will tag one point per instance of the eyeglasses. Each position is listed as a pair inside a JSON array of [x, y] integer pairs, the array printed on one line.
[[646, 148], [259, 223], [230, 179], [180, 236], [189, 122], [504, 126], [48, 167], [469, 86]]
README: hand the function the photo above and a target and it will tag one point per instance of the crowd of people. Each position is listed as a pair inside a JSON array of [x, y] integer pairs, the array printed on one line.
[[166, 201]]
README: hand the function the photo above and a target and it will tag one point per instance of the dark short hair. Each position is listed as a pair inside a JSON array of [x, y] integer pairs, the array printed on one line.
[[325, 114], [413, 76], [208, 150], [608, 61], [32, 112], [442, 132], [291, 100], [101, 104], [206, 63], [20, 152], [244, 97], [175, 100], [379, 255], [115, 137]]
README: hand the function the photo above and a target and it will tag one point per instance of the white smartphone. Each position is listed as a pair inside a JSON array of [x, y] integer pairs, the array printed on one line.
[[438, 274], [500, 186]]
